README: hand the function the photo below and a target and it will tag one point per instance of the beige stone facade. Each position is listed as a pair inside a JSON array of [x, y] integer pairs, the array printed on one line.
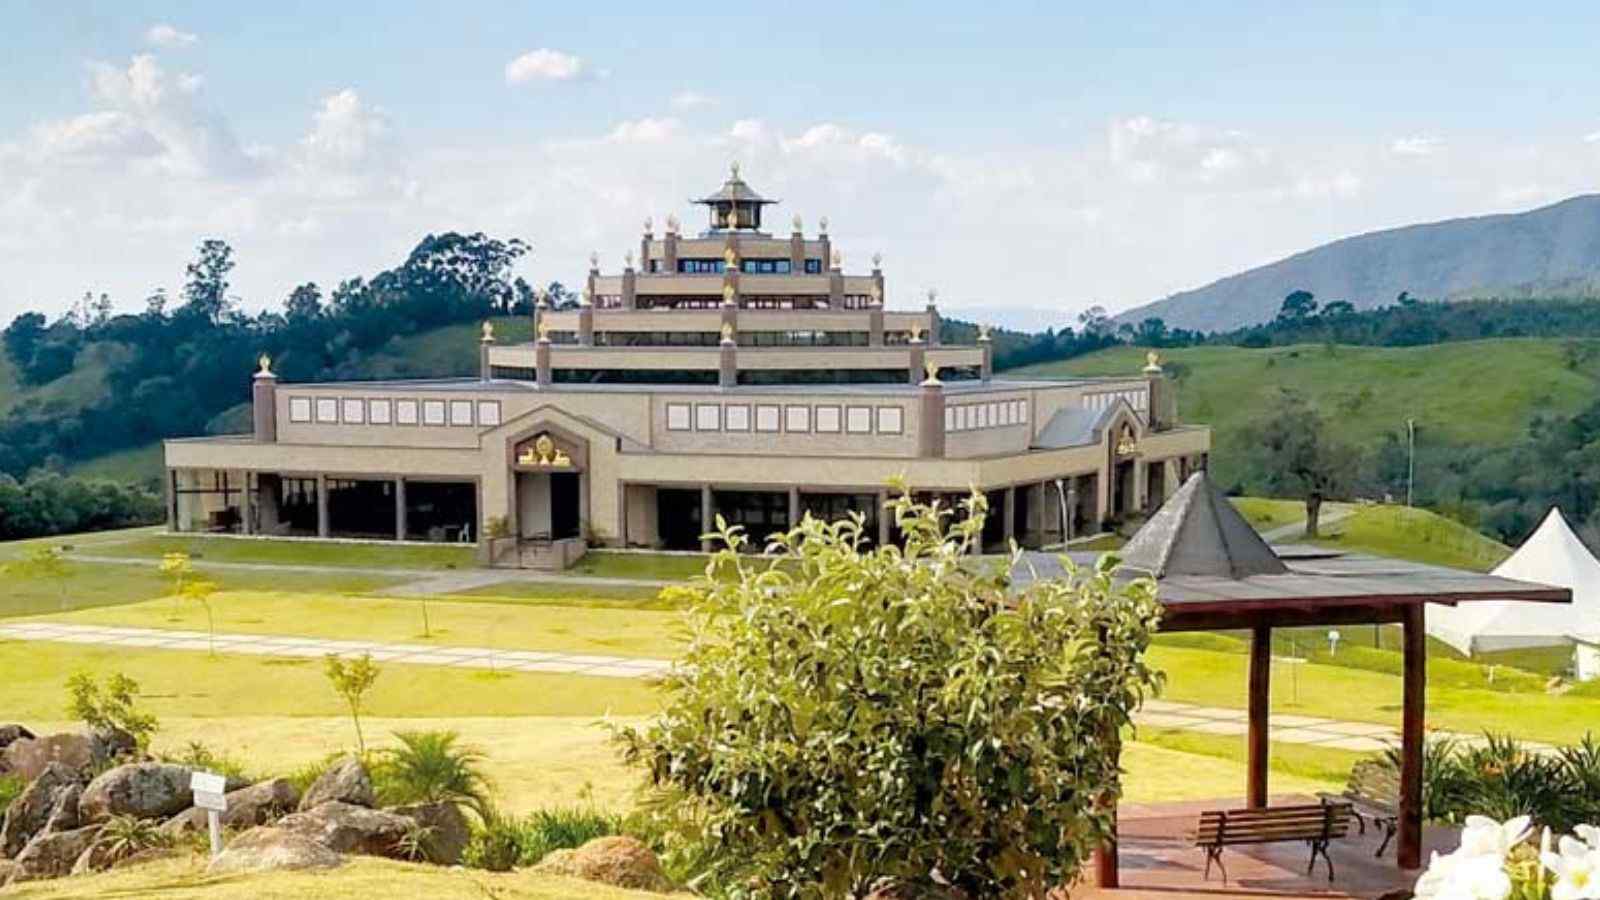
[[634, 419]]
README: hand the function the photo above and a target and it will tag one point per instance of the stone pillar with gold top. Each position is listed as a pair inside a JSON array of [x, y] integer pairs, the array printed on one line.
[[933, 318], [264, 402], [630, 284], [836, 281], [797, 248], [669, 246], [918, 356], [541, 356], [1161, 413], [586, 320], [728, 368], [875, 317], [594, 274], [826, 242], [986, 368], [730, 308], [644, 244], [485, 342], [930, 421]]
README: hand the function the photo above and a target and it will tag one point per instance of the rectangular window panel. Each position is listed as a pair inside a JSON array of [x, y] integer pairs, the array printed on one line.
[[858, 420], [961, 418], [354, 411], [828, 419], [433, 412], [707, 417], [327, 409], [380, 412], [950, 418], [460, 412], [797, 419], [299, 409], [678, 417], [738, 417], [405, 412], [766, 417], [890, 420], [489, 413]]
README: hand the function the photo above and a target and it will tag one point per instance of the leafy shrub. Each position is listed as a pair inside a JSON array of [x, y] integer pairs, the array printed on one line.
[[495, 845], [11, 787], [1502, 779], [431, 767], [843, 716], [110, 707], [123, 836], [502, 842], [196, 755]]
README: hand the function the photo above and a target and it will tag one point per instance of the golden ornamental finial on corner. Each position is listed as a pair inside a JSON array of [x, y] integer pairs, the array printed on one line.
[[488, 332], [1152, 363], [727, 295], [727, 332], [544, 332], [733, 168], [983, 334], [931, 369], [265, 361]]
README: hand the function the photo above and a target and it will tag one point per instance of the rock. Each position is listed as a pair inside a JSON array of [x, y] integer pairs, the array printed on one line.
[[64, 815], [28, 813], [449, 830], [260, 849], [148, 790], [112, 744], [620, 861], [346, 781], [258, 804], [6, 868], [52, 855], [347, 828], [10, 734], [28, 757], [98, 858]]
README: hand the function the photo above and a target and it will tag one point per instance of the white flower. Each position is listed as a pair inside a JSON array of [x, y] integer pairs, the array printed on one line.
[[1484, 837], [1589, 835], [1458, 877], [1577, 870]]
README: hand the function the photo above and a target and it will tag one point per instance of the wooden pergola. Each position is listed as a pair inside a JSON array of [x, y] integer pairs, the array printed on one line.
[[1214, 572]]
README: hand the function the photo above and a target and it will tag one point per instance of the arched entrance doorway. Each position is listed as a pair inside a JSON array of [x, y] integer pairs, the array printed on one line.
[[551, 505]]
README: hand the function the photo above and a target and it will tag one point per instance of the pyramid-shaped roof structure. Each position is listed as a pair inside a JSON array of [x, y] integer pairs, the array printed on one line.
[[1198, 532]]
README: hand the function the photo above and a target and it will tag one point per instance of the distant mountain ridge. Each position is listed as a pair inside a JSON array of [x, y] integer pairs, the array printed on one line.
[[1554, 248]]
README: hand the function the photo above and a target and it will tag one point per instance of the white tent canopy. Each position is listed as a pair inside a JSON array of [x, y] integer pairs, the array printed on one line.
[[1551, 555]]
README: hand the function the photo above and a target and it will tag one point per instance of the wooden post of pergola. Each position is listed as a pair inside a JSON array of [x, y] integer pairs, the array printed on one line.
[[1414, 692], [1260, 708]]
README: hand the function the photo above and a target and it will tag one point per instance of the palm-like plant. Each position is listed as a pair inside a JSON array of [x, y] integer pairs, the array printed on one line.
[[433, 767], [123, 836]]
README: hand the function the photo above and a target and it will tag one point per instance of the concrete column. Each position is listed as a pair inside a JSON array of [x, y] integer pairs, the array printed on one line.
[[541, 362], [586, 325], [794, 507], [728, 362], [914, 364], [730, 317], [629, 289], [669, 251], [246, 505], [1071, 511], [1102, 494], [171, 483], [1141, 486], [1010, 520], [875, 327], [399, 509], [322, 505], [986, 369], [835, 289], [884, 516], [707, 516], [827, 248], [933, 325], [644, 251], [264, 404], [797, 253], [484, 343], [930, 425]]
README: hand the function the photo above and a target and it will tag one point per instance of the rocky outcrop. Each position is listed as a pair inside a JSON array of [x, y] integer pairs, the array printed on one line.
[[64, 815], [346, 781], [448, 830], [619, 861], [347, 828], [258, 804], [148, 790], [99, 858], [53, 855], [261, 849], [28, 757], [28, 813], [10, 734]]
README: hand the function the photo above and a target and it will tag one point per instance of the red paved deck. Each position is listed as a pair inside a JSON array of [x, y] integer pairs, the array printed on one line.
[[1160, 863]]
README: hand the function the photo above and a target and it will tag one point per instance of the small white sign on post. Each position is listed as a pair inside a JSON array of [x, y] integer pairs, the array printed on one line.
[[211, 794]]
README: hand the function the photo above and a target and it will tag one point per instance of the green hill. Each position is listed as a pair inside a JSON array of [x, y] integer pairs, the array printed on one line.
[[1468, 393]]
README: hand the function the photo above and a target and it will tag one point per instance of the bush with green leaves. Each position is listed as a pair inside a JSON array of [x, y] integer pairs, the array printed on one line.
[[110, 707], [845, 716], [495, 844], [123, 836], [502, 842], [196, 755], [11, 787], [431, 767]]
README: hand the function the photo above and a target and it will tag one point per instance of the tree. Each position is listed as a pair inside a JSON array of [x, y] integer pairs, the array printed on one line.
[[113, 707], [1095, 322], [1293, 453], [177, 567], [205, 294], [201, 592], [434, 767], [44, 563], [304, 304], [353, 681], [1298, 306], [843, 716]]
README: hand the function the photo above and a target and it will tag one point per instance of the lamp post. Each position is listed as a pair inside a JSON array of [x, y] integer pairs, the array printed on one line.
[[1411, 456]]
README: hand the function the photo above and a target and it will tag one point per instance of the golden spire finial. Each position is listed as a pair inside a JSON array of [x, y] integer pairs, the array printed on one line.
[[727, 295], [877, 260], [734, 170], [594, 260], [727, 332], [931, 369], [1152, 363], [544, 332], [798, 224], [488, 332], [732, 221], [730, 260], [916, 335], [544, 298], [672, 224], [265, 361], [822, 225], [838, 259], [983, 334], [649, 224], [933, 296]]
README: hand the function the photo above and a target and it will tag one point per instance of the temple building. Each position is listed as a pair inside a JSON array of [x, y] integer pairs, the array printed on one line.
[[732, 372]]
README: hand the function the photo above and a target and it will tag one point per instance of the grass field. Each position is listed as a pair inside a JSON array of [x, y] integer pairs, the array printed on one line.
[[93, 585], [1415, 534], [295, 553], [136, 465], [1264, 514]]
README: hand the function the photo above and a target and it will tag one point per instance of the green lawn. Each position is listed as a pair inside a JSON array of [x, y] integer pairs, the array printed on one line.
[[550, 626], [634, 564], [295, 553], [645, 596], [99, 585], [136, 465], [1415, 534], [1265, 514]]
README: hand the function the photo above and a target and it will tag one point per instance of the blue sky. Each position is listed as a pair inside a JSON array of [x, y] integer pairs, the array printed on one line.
[[1039, 156]]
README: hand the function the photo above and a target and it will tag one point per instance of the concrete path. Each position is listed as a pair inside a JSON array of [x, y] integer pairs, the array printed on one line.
[[310, 648], [422, 581], [1331, 513]]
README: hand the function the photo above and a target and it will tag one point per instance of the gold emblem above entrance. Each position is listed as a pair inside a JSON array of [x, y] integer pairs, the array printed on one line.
[[543, 453]]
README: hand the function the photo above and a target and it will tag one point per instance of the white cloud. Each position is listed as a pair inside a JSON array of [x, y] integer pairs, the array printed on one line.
[[1592, 137], [167, 37], [345, 130], [749, 130], [644, 131], [545, 64], [1419, 145], [690, 100]]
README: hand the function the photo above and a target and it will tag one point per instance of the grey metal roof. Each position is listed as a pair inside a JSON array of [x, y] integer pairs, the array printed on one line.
[[1198, 532], [1074, 426], [734, 189]]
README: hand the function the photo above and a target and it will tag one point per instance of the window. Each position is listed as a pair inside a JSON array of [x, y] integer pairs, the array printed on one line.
[[765, 266], [707, 417], [766, 417], [1022, 412], [950, 418], [327, 409], [890, 420], [405, 412], [813, 267], [489, 413], [460, 412], [738, 417], [379, 412], [354, 411], [433, 412], [858, 420], [700, 266], [983, 416], [299, 409], [797, 419], [1006, 409], [677, 417], [828, 419]]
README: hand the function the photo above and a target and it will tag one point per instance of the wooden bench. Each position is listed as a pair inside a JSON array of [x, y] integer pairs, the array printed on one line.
[[1373, 792], [1315, 823]]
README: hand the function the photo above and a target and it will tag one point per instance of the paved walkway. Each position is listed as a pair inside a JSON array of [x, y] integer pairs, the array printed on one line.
[[409, 654]]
